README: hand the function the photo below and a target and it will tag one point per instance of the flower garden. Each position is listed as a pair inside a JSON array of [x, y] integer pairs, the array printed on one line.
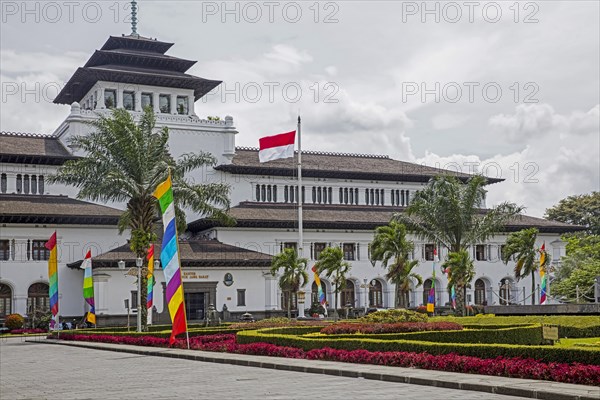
[[500, 346]]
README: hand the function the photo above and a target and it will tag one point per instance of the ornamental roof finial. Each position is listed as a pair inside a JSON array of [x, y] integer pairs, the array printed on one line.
[[134, 17]]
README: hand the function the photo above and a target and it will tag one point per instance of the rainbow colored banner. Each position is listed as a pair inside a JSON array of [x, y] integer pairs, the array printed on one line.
[[453, 296], [543, 276], [88, 287], [53, 279], [322, 299], [150, 276], [169, 258], [431, 296]]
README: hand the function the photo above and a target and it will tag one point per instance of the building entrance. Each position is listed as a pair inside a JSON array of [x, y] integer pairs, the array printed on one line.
[[194, 305]]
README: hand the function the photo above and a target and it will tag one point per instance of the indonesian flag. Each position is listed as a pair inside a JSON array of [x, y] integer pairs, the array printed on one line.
[[277, 146]]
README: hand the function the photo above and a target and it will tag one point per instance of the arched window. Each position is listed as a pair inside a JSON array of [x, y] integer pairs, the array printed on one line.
[[480, 292], [19, 184], [367, 196], [5, 300], [3, 183], [38, 298], [269, 193], [505, 291], [26, 184], [314, 194], [314, 294], [426, 288], [356, 196], [285, 194], [330, 195], [275, 193], [348, 294], [375, 294], [34, 185], [257, 192], [341, 195]]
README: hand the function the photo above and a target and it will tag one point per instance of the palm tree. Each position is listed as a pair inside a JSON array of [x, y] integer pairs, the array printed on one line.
[[391, 247], [124, 162], [331, 262], [448, 212], [461, 272], [520, 246], [293, 275]]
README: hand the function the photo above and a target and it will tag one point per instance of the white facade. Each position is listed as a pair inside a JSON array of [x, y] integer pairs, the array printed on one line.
[[189, 133]]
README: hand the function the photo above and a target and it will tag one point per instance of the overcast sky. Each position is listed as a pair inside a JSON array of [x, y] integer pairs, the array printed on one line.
[[512, 90]]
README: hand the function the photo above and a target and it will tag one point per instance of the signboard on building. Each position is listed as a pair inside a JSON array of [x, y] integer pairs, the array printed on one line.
[[550, 332], [193, 275]]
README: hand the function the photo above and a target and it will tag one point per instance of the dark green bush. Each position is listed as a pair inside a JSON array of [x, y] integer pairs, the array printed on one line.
[[541, 353], [529, 335]]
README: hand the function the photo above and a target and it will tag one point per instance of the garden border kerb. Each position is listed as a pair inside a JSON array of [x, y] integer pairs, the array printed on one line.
[[489, 384]]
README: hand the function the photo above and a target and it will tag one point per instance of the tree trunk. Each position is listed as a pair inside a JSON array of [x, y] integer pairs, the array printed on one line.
[[337, 290], [532, 288], [460, 300], [290, 305]]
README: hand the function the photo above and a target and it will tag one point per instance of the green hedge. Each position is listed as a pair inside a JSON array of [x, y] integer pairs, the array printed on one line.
[[528, 335], [542, 353], [570, 326]]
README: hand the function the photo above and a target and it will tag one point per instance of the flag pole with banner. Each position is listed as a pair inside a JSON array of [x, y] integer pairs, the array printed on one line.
[[543, 275], [300, 225], [431, 296], [88, 287], [53, 281], [150, 291], [169, 258]]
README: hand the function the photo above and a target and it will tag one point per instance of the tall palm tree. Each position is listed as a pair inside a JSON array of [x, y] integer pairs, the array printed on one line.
[[293, 275], [124, 162], [448, 211], [391, 247], [331, 262], [521, 247], [461, 272]]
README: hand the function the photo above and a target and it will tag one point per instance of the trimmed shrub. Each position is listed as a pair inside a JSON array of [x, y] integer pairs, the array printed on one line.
[[542, 353], [161, 334], [14, 321], [529, 335], [394, 316], [345, 328]]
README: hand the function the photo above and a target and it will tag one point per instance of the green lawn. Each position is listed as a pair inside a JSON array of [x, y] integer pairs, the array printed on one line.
[[593, 342], [584, 321]]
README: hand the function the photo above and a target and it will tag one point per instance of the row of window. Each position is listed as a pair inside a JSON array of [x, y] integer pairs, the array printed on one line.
[[347, 295], [37, 299], [25, 184], [34, 250], [351, 250], [324, 195], [182, 105]]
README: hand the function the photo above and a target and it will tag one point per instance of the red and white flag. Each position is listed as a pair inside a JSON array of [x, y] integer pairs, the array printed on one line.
[[277, 146]]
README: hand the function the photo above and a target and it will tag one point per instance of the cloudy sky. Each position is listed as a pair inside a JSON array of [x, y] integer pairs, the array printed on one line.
[[509, 90]]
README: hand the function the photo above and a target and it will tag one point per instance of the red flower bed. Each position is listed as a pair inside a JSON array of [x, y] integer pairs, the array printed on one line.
[[29, 330], [510, 367], [403, 327]]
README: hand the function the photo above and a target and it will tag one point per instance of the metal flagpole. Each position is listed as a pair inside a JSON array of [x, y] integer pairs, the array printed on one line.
[[300, 237]]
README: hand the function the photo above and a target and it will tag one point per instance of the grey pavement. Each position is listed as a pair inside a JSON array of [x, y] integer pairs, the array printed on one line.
[[39, 370]]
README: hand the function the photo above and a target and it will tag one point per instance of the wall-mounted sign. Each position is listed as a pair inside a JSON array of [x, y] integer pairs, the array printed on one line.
[[193, 275], [228, 279]]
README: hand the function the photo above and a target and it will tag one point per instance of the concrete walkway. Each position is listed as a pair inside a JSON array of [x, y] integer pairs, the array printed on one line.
[[528, 388]]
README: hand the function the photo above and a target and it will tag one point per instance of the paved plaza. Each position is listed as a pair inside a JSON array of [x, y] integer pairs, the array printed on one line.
[[44, 371]]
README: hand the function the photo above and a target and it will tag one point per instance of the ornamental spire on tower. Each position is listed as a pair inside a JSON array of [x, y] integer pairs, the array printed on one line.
[[134, 17]]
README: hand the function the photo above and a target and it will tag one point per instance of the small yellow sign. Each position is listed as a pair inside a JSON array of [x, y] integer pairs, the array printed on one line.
[[550, 332]]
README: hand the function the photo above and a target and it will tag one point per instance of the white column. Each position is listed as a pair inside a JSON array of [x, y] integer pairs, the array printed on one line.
[[137, 101], [174, 104], [192, 110], [119, 97], [155, 102], [100, 103]]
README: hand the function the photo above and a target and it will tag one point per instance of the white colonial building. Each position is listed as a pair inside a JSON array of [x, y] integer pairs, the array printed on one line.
[[345, 195]]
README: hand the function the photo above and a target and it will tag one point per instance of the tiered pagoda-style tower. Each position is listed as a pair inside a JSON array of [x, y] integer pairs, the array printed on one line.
[[133, 72]]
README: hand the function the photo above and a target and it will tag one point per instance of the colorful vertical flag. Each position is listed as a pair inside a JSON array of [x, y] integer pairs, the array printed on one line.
[[543, 275], [88, 287], [322, 299], [453, 296], [53, 278], [169, 258], [150, 277], [431, 297]]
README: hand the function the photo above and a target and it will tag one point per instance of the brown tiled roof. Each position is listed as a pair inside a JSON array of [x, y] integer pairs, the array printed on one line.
[[338, 165], [360, 217], [25, 148], [193, 253], [46, 209]]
